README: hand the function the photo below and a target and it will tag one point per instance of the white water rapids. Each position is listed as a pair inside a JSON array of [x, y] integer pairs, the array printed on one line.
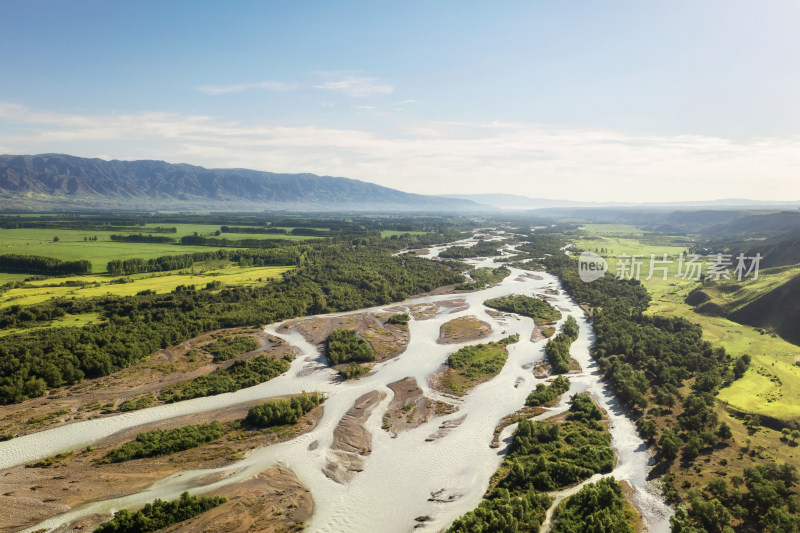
[[401, 473]]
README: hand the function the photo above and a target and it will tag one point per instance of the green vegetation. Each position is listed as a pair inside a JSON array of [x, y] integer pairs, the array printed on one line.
[[332, 278], [196, 240], [550, 455], [399, 319], [504, 511], [557, 348], [166, 441], [773, 382], [650, 357], [598, 507], [474, 364], [345, 346], [51, 461], [134, 405], [78, 245], [545, 394], [544, 456], [353, 371], [252, 230], [539, 310], [278, 255], [283, 411], [483, 277], [142, 238], [211, 277], [481, 249], [769, 502], [240, 375], [229, 347], [43, 265], [159, 514]]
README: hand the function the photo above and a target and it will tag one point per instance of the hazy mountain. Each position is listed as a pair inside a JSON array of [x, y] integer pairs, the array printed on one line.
[[61, 181], [516, 201], [562, 207]]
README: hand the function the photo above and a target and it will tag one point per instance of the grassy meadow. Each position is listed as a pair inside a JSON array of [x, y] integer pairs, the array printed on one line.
[[772, 384], [72, 245], [160, 282]]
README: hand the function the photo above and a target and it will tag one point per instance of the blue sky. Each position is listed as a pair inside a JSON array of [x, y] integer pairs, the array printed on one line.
[[617, 100]]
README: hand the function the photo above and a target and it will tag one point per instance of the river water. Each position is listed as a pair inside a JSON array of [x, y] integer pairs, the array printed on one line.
[[401, 474]]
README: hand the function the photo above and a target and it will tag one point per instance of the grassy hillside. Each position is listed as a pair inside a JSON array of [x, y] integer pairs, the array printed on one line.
[[772, 384]]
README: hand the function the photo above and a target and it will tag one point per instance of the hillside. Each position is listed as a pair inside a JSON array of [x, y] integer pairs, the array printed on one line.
[[778, 309], [56, 181]]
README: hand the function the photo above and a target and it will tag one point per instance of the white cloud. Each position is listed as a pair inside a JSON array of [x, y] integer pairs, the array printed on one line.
[[215, 90], [437, 157], [353, 85]]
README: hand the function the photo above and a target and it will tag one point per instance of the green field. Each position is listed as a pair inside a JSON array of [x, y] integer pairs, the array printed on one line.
[[66, 321], [160, 282], [389, 232], [772, 384], [71, 245]]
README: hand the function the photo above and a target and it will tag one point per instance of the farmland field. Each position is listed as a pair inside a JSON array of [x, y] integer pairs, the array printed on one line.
[[42, 290], [72, 246]]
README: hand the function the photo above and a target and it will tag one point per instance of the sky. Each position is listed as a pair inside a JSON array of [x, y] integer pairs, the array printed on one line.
[[631, 101]]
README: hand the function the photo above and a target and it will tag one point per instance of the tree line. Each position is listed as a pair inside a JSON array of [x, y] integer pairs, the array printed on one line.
[[240, 375], [160, 514], [43, 265], [283, 411], [166, 441], [278, 255], [139, 237]]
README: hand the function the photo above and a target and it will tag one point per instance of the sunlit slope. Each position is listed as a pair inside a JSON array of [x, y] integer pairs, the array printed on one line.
[[772, 384]]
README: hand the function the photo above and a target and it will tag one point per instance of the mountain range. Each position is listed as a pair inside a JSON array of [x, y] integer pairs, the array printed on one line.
[[57, 181]]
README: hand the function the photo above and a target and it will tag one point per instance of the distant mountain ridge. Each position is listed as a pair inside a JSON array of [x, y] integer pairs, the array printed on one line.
[[62, 181], [561, 206]]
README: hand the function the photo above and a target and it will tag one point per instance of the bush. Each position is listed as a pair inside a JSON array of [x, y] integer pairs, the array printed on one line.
[[521, 304], [283, 411], [159, 514], [345, 346], [353, 371], [229, 347], [545, 394], [400, 319], [557, 348], [166, 441], [240, 375], [596, 507]]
